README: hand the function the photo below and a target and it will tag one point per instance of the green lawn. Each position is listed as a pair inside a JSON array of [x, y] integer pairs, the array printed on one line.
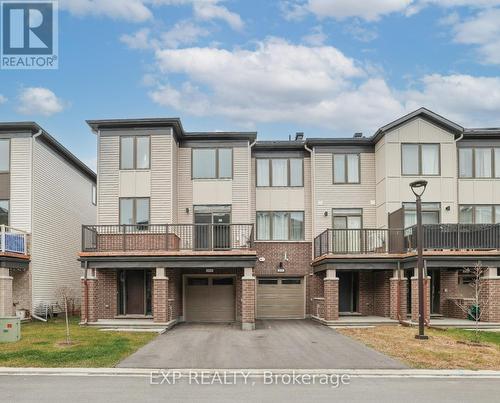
[[42, 345], [469, 335]]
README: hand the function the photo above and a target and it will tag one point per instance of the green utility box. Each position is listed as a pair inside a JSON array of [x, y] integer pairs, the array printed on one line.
[[10, 330]]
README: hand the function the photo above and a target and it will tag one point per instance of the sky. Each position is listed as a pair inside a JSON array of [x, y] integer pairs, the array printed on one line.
[[328, 68]]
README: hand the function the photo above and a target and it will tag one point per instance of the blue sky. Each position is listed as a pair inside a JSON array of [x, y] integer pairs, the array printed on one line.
[[325, 67]]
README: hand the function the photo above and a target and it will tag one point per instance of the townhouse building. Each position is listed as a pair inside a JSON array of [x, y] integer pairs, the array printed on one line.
[[46, 195], [217, 226]]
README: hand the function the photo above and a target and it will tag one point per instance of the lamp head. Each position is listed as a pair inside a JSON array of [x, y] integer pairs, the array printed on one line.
[[418, 187]]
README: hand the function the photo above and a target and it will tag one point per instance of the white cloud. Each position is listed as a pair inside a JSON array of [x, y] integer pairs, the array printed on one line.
[[482, 30], [316, 37], [211, 10], [468, 100], [183, 33], [367, 10], [3, 99], [138, 40], [39, 101], [129, 10]]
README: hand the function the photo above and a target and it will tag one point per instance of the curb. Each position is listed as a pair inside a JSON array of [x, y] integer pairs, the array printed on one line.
[[254, 373]]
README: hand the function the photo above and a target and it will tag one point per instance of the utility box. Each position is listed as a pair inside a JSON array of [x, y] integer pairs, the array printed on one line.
[[10, 330]]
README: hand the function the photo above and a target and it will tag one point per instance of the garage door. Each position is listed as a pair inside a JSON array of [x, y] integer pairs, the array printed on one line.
[[280, 298], [210, 299]]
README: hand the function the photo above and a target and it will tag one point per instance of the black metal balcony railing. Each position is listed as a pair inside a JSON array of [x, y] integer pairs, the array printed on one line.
[[167, 237], [435, 237]]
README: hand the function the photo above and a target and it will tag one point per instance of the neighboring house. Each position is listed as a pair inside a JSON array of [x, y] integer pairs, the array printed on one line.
[[46, 194], [220, 227]]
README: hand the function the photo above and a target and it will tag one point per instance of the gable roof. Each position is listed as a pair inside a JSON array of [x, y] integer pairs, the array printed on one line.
[[34, 128]]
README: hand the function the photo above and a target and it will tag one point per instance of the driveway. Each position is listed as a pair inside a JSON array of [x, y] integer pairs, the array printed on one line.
[[277, 344]]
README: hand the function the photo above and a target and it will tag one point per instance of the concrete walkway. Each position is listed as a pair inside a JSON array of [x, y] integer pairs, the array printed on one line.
[[275, 344]]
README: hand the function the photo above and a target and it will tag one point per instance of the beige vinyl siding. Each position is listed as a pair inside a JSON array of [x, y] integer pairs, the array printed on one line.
[[161, 206], [240, 213], [174, 173], [20, 182], [108, 179], [393, 188], [184, 186], [62, 202], [329, 196]]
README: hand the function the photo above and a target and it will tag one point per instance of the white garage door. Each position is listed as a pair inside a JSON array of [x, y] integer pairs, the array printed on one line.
[[210, 299], [280, 298]]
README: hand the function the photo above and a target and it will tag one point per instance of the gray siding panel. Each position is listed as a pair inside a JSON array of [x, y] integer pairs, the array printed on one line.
[[162, 197], [20, 182], [241, 186], [62, 202], [184, 186], [108, 179]]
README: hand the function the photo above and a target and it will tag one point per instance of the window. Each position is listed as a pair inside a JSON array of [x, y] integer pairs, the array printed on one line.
[[135, 152], [291, 281], [431, 213], [479, 214], [4, 155], [268, 281], [212, 163], [479, 162], [94, 195], [346, 168], [134, 211], [4, 212], [197, 281], [280, 225], [222, 281], [347, 218], [420, 159], [280, 172]]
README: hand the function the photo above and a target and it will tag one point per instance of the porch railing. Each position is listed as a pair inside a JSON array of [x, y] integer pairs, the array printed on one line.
[[13, 240], [435, 237], [358, 241], [167, 237]]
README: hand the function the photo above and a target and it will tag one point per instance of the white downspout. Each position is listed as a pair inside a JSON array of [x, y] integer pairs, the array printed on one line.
[[313, 196]]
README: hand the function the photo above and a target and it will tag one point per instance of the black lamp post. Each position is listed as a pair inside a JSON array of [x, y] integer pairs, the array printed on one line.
[[418, 189]]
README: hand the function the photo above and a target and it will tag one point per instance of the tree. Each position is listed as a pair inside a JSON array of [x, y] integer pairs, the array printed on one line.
[[479, 296], [66, 296]]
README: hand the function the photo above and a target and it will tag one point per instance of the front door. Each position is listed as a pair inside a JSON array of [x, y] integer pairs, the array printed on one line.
[[135, 292], [348, 291], [435, 296]]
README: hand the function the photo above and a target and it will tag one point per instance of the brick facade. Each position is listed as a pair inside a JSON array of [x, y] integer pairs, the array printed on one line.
[[248, 303], [365, 300], [449, 291], [160, 299], [6, 306], [331, 301], [382, 293], [90, 301], [108, 294], [414, 299], [298, 255], [21, 289], [398, 295], [490, 302]]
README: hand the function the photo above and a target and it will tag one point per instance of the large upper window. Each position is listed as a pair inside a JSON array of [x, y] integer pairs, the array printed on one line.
[[420, 159], [4, 155], [280, 172], [4, 212], [345, 168], [479, 214], [280, 225], [479, 162], [212, 163], [135, 152], [134, 211], [431, 213]]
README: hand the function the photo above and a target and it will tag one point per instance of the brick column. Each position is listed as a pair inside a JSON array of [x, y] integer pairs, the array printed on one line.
[[248, 300], [414, 297], [490, 300], [6, 306], [160, 296], [89, 298], [331, 294], [398, 294], [448, 289]]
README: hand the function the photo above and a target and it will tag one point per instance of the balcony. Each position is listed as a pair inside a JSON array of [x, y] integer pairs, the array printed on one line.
[[13, 241], [456, 237], [167, 238]]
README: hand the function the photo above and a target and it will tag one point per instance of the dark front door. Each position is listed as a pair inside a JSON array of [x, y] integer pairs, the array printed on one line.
[[135, 291], [435, 291], [348, 292]]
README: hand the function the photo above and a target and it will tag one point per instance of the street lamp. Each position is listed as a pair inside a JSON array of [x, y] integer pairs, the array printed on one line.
[[418, 189]]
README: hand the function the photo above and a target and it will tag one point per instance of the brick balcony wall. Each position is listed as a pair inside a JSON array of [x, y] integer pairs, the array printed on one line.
[[107, 294]]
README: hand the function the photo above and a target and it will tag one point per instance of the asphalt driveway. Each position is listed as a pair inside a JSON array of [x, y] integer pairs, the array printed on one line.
[[277, 344]]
